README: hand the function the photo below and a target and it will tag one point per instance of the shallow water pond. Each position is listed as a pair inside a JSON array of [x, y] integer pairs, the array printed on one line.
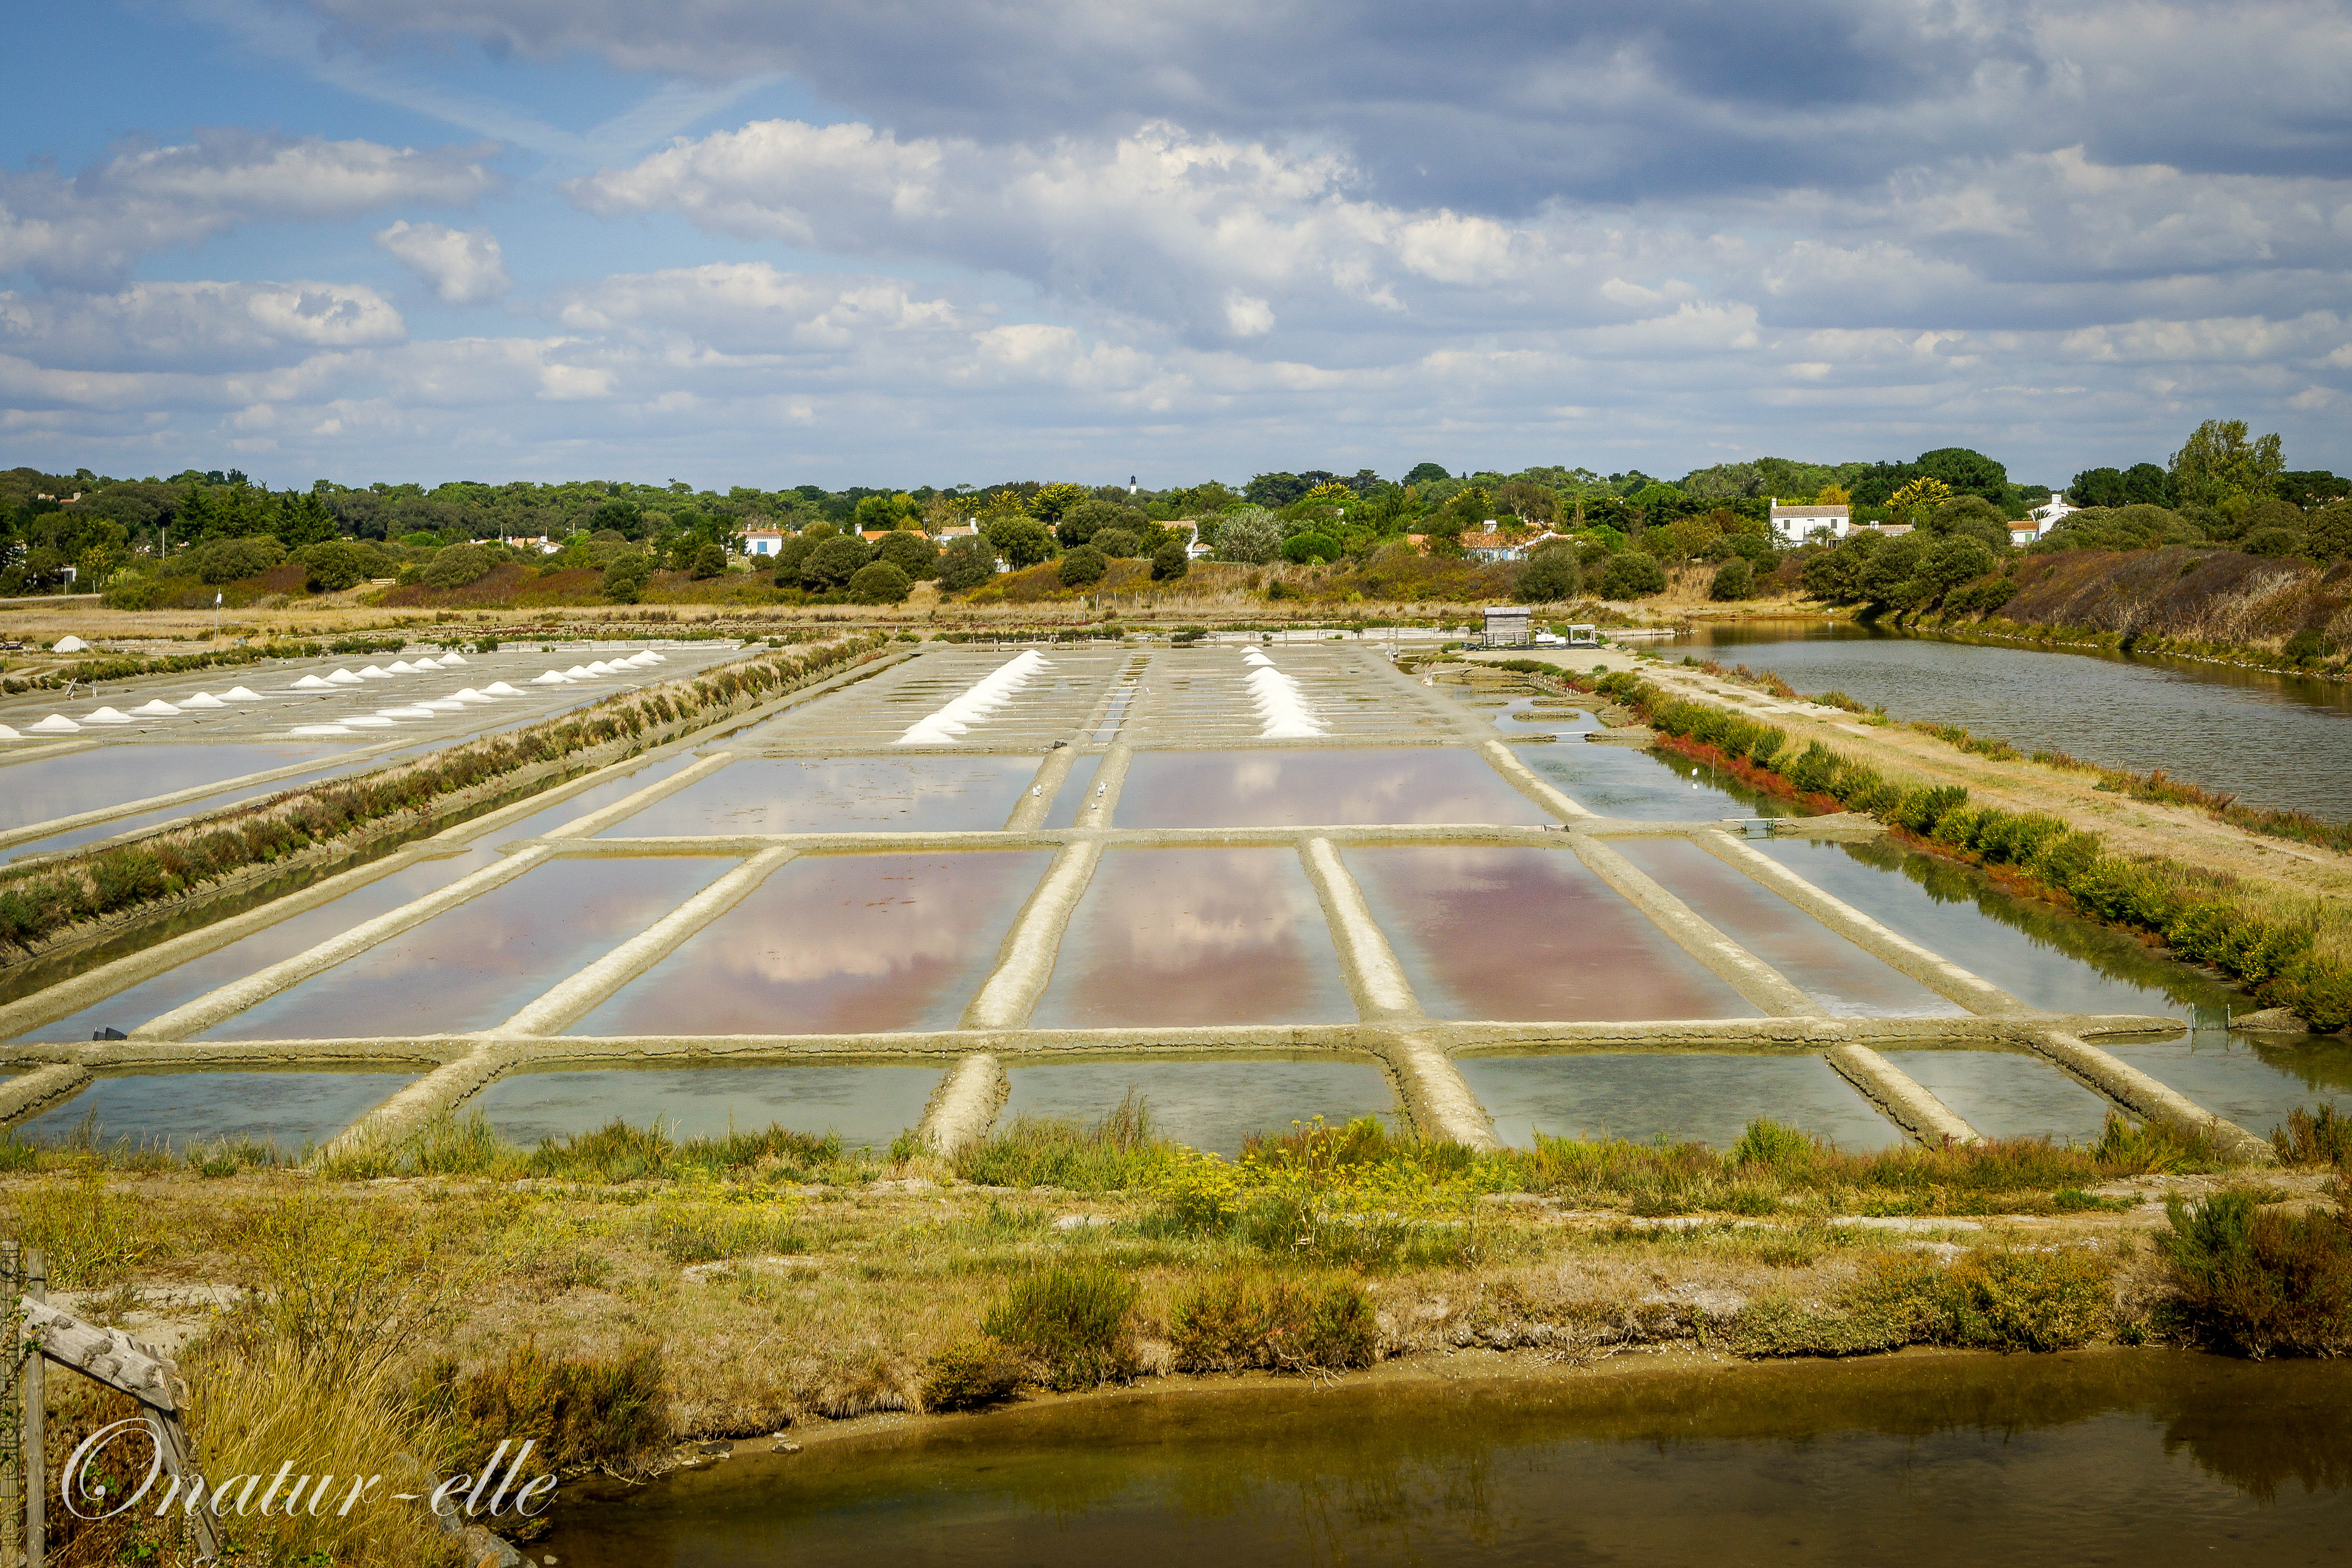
[[2006, 1094], [869, 1106], [1838, 975], [840, 795], [50, 787], [185, 982], [1305, 787], [292, 1110], [1525, 934], [1703, 1097], [1209, 1104], [834, 944], [2153, 1458], [477, 965], [1196, 936]]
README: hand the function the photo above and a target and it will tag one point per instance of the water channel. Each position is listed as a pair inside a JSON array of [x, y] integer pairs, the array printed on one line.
[[2146, 1457], [2274, 739]]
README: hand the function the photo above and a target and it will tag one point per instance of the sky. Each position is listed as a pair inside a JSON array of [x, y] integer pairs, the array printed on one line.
[[777, 242]]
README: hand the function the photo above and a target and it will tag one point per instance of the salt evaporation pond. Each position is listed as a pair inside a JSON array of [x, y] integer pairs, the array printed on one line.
[[2005, 1094], [1704, 1097], [844, 794], [292, 1110], [475, 965], [1304, 787], [50, 787], [869, 1106], [1837, 974], [1076, 790], [836, 945], [1173, 937], [1214, 1103], [185, 982], [1518, 934]]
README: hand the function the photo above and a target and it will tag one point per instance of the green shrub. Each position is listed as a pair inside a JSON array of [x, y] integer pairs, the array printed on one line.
[[627, 575], [226, 560], [456, 566], [971, 1376], [1769, 1146], [879, 584], [711, 1232], [2258, 1282], [1075, 1321], [2152, 1148], [1170, 562], [2320, 1138], [1632, 574], [1735, 579], [1083, 566], [1227, 1325]]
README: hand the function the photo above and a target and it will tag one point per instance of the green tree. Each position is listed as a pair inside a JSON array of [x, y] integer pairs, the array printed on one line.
[[965, 564], [911, 553], [304, 520], [1552, 575], [1083, 566], [1019, 538], [458, 564], [625, 577], [878, 582], [2217, 462], [707, 559], [1252, 536], [1427, 473], [1972, 516], [834, 563], [334, 565], [1052, 500], [1080, 522], [1965, 472], [1735, 579], [1633, 575], [1171, 561], [888, 511]]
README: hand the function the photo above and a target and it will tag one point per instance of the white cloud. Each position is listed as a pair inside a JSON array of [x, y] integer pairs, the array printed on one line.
[[84, 232], [206, 326], [464, 267]]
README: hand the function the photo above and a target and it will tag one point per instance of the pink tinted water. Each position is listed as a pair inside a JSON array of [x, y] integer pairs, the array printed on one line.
[[1526, 934], [1311, 786], [846, 944], [1196, 936]]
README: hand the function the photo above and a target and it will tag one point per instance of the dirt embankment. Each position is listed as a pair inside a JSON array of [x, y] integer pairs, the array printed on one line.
[[2188, 595], [2299, 876]]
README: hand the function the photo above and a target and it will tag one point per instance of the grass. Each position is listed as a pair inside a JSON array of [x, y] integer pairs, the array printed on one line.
[[1074, 1322], [2260, 1282], [617, 1152]]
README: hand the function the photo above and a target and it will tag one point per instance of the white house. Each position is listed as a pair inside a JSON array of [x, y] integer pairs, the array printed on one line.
[[1795, 524], [763, 541]]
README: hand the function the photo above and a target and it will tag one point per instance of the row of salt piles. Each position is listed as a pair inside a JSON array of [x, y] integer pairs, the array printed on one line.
[[591, 671], [975, 702], [59, 724], [1282, 709]]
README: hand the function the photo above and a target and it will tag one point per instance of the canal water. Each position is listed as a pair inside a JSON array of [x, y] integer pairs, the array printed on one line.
[[2146, 1457], [2273, 739]]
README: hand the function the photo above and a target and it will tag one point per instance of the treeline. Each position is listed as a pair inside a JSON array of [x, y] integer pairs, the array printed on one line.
[[81, 529]]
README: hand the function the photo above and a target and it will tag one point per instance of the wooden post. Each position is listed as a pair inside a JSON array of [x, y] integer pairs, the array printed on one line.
[[36, 1426], [12, 1428]]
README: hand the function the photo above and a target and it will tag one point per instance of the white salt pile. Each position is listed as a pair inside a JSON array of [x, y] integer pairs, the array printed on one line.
[[1283, 712], [975, 703], [550, 678], [500, 689], [410, 711], [157, 707], [309, 683], [54, 724], [242, 694], [202, 700], [343, 678], [107, 716], [449, 658]]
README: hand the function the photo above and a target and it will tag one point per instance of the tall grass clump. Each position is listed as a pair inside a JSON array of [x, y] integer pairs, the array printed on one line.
[[1075, 1322], [2260, 1282], [1236, 1322], [1322, 1194], [2314, 1138], [580, 1413], [1119, 1151]]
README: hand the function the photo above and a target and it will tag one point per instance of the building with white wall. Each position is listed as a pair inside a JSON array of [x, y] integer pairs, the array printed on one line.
[[1795, 524]]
